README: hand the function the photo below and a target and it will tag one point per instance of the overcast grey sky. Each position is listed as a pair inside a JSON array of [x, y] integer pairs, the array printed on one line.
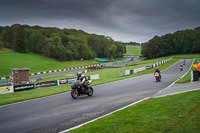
[[123, 20]]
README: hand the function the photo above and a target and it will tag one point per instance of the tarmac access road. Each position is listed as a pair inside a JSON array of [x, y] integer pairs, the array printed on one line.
[[45, 75], [60, 112]]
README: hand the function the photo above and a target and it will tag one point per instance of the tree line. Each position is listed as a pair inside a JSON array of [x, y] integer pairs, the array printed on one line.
[[180, 42], [61, 44], [131, 43]]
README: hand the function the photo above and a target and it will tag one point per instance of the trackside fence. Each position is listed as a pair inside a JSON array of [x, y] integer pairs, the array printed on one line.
[[10, 89], [133, 71], [60, 70], [128, 72]]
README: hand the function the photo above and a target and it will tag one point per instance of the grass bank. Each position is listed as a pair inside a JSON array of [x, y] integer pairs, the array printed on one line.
[[175, 114], [36, 63], [133, 50]]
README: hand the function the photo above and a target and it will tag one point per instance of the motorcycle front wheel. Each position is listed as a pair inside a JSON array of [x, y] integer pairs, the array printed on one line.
[[74, 93], [91, 91]]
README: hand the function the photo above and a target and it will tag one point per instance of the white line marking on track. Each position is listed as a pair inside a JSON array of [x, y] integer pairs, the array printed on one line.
[[103, 116]]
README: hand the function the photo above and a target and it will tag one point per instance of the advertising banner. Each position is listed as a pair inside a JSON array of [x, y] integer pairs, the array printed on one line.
[[46, 84], [63, 81], [23, 87], [148, 67], [94, 76], [71, 80], [127, 72], [6, 89]]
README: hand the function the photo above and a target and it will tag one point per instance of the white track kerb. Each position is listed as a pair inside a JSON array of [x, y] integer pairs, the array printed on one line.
[[131, 103]]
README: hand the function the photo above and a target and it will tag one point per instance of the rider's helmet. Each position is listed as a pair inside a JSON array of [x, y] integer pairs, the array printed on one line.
[[79, 74]]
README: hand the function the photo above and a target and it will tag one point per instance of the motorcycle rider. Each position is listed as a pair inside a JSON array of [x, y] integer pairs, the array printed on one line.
[[181, 67], [157, 72], [83, 80], [184, 62]]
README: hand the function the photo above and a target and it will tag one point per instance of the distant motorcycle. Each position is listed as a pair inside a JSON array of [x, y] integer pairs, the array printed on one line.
[[78, 89], [181, 67], [157, 76]]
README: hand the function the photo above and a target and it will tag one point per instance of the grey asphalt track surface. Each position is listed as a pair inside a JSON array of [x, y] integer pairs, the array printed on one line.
[[60, 112]]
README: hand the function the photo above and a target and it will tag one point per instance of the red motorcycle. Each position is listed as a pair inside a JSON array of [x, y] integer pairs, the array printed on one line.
[[157, 76]]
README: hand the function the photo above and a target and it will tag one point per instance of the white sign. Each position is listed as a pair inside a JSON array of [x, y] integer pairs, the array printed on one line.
[[94, 76], [6, 89]]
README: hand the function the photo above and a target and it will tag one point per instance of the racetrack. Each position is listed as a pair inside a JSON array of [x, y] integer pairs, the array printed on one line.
[[60, 112]]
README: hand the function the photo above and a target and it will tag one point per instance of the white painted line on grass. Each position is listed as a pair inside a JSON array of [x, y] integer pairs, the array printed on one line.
[[103, 116], [176, 93]]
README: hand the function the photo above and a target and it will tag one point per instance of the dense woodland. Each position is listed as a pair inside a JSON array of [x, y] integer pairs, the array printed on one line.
[[180, 42], [61, 44]]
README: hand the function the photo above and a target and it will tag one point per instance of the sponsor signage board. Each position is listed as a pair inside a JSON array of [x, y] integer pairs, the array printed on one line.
[[6, 89], [148, 67], [23, 87], [45, 84], [63, 81]]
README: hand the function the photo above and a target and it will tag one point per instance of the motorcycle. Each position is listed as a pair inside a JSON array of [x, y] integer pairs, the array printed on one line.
[[78, 89], [157, 76], [181, 68]]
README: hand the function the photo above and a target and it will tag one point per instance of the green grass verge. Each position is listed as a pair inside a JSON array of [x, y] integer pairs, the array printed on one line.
[[36, 63], [174, 114], [133, 50], [32, 94]]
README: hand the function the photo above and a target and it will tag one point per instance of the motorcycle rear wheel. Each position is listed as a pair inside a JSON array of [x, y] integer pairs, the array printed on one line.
[[74, 93]]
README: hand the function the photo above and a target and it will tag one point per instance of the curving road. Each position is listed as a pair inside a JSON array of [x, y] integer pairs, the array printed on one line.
[[60, 112]]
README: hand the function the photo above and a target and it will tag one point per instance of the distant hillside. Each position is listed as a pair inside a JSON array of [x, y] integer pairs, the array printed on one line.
[[180, 42], [133, 50], [61, 44]]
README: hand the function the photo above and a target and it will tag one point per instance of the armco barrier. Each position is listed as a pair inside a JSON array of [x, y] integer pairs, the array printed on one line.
[[128, 72], [46, 84], [67, 69]]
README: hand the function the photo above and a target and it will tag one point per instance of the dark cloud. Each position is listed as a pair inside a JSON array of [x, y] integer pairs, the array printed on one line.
[[125, 20]]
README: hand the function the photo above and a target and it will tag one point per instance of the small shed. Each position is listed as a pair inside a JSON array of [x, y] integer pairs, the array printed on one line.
[[20, 76], [101, 60]]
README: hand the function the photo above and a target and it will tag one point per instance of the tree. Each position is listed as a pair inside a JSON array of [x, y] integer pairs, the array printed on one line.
[[20, 39], [151, 49]]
